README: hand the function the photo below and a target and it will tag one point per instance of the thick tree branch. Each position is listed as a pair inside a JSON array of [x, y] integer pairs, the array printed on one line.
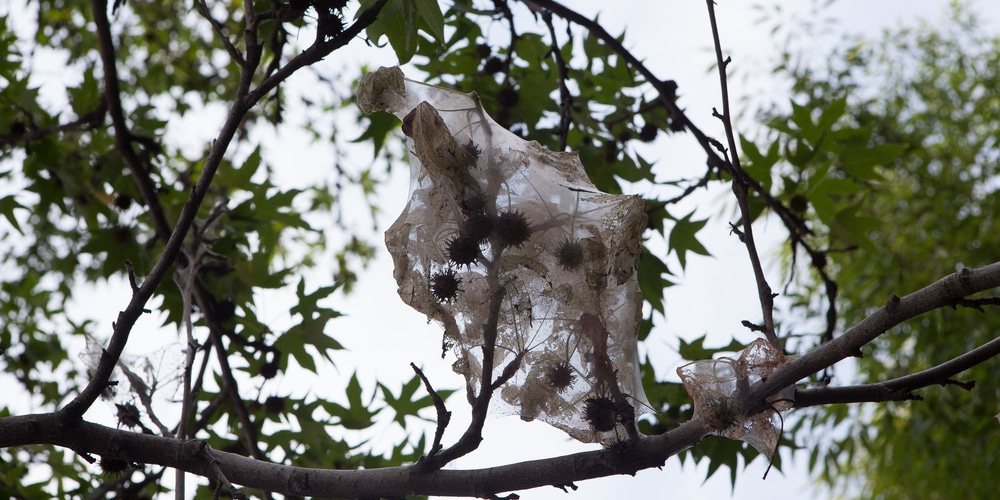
[[942, 293], [123, 136], [318, 51], [643, 453], [387, 482], [899, 389]]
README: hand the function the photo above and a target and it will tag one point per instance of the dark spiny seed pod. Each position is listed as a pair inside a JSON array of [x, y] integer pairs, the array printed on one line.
[[474, 202], [269, 369], [123, 234], [648, 132], [511, 229], [569, 255], [128, 415], [477, 227], [676, 125], [473, 149], [600, 413], [113, 466], [463, 250], [123, 202], [444, 285], [610, 152], [559, 376], [493, 66], [274, 404], [507, 97]]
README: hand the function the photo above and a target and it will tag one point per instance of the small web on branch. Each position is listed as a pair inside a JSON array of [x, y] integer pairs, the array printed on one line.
[[715, 384]]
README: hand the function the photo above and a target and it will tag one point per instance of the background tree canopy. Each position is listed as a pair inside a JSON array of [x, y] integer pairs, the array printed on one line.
[[145, 146]]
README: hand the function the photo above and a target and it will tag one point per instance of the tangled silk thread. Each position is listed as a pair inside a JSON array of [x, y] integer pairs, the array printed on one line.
[[503, 237]]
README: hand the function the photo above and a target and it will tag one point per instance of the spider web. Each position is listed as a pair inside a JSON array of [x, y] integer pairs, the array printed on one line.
[[564, 298]]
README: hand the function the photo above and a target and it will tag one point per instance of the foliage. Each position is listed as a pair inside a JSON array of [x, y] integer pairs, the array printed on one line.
[[891, 147], [102, 189]]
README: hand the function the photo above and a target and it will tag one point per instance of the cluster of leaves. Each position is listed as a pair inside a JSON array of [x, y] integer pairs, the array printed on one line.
[[890, 151], [844, 169]]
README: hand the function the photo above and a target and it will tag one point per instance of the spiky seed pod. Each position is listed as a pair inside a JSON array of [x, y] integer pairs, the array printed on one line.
[[128, 415], [600, 413], [473, 149], [113, 466], [493, 66], [559, 376], [270, 367], [444, 285], [648, 132], [477, 227], [463, 250], [274, 404], [123, 202], [569, 255], [474, 202], [511, 229], [507, 97]]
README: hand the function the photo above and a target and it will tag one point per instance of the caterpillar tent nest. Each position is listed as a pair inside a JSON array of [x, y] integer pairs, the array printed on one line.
[[505, 242]]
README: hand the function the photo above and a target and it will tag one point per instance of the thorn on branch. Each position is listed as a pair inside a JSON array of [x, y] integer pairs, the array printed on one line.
[[967, 385], [752, 326], [131, 277], [734, 229], [512, 496], [563, 487], [893, 302]]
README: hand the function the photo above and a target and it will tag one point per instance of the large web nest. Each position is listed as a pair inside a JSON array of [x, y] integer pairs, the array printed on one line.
[[715, 385], [501, 235]]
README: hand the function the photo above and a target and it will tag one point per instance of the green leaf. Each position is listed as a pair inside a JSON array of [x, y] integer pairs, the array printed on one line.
[[429, 11], [861, 162], [407, 403], [380, 125], [357, 414], [651, 280], [682, 238], [8, 204]]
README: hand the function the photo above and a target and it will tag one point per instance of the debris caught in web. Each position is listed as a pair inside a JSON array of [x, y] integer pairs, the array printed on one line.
[[502, 235], [715, 385]]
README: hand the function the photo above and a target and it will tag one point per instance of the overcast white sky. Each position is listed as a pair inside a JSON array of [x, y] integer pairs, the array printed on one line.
[[384, 336]]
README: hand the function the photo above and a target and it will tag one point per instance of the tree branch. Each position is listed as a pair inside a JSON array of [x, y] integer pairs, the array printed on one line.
[[75, 409], [123, 136], [942, 293], [741, 189], [386, 482], [899, 389]]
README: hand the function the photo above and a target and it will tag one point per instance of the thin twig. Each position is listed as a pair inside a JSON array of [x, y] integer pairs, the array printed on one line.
[[86, 121], [443, 415], [220, 32], [741, 189]]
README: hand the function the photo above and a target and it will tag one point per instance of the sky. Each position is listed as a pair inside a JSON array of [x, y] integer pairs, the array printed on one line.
[[383, 335]]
